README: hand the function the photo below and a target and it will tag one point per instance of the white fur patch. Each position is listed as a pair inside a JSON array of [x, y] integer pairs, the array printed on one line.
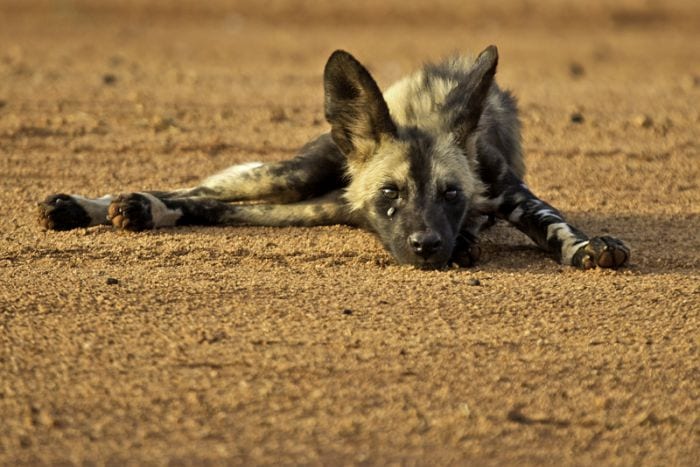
[[161, 215], [546, 212], [570, 244], [227, 176], [95, 208], [516, 215]]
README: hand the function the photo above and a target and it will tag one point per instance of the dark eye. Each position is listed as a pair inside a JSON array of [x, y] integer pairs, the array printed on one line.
[[451, 194], [390, 192]]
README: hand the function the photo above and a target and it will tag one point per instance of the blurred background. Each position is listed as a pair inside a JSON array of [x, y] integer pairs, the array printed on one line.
[[244, 77]]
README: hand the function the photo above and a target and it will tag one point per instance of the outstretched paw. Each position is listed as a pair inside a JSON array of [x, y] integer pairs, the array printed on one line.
[[131, 211], [62, 212], [466, 252], [602, 252]]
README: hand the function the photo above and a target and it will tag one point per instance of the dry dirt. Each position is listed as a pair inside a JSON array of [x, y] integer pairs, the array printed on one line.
[[292, 345]]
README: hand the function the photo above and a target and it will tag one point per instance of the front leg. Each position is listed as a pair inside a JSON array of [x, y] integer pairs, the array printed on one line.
[[548, 228], [467, 251]]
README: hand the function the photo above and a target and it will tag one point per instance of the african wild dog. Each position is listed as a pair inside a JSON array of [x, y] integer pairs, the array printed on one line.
[[424, 166]]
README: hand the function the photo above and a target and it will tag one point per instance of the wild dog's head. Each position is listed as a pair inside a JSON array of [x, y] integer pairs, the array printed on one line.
[[412, 186]]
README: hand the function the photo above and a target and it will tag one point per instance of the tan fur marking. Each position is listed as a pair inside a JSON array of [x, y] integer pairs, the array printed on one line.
[[449, 162], [326, 210], [388, 165], [237, 183], [424, 106]]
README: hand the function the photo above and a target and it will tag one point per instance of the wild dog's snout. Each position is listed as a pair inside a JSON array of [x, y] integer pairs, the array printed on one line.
[[424, 243]]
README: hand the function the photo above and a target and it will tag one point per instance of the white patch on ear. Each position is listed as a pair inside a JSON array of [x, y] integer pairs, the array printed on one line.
[[228, 176], [95, 208], [161, 215], [570, 244]]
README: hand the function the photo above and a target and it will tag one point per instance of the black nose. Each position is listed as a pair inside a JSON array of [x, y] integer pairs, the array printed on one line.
[[424, 243]]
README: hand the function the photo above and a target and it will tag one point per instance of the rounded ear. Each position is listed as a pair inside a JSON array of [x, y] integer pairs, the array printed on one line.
[[465, 103], [354, 106]]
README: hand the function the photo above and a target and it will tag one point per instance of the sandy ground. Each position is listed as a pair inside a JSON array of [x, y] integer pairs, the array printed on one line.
[[263, 345]]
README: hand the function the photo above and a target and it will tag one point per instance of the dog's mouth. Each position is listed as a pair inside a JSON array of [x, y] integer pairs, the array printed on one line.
[[440, 259]]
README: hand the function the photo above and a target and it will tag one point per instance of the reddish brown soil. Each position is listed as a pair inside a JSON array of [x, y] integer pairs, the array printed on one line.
[[263, 345]]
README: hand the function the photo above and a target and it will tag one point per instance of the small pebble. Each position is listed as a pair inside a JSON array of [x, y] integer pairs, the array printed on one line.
[[690, 82], [163, 123], [576, 70], [112, 281], [474, 282], [643, 121], [347, 311], [116, 60], [109, 79], [278, 115], [577, 117]]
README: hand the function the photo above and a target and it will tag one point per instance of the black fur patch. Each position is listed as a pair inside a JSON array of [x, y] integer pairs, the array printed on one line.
[[354, 105], [319, 168], [465, 103], [199, 211]]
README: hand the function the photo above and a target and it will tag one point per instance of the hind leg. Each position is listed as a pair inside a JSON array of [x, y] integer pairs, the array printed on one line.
[[65, 212], [316, 170], [141, 211]]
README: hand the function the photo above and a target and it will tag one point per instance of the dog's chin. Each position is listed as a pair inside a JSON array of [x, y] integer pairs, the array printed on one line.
[[429, 264]]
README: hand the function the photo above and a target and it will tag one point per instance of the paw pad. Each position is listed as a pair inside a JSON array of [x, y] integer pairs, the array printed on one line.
[[602, 252], [131, 212], [62, 212]]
